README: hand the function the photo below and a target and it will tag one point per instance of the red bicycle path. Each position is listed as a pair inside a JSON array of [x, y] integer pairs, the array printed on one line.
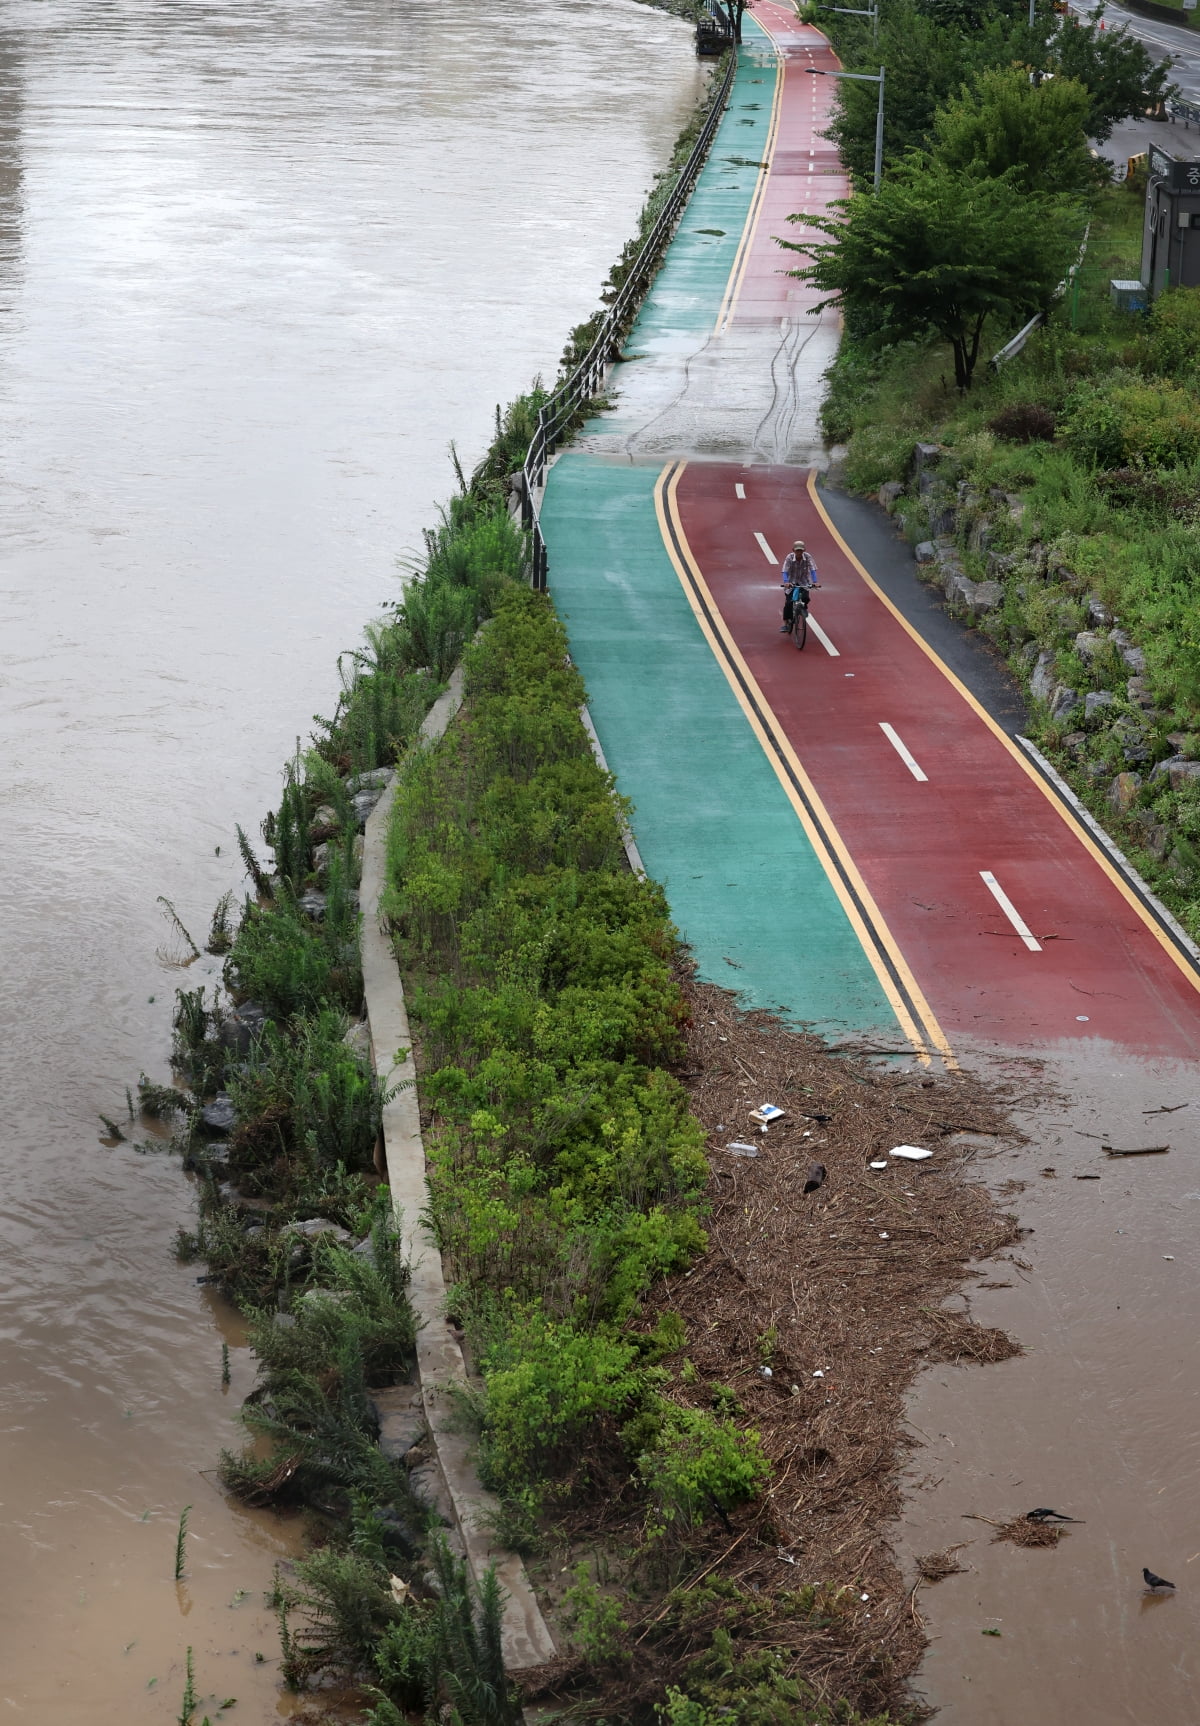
[[1101, 971], [805, 175]]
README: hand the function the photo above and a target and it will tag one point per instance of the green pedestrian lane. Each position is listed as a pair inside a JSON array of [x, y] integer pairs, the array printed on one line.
[[686, 297], [712, 821]]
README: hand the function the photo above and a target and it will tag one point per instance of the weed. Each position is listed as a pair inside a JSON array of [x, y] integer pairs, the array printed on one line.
[[190, 1699], [220, 931], [181, 1543]]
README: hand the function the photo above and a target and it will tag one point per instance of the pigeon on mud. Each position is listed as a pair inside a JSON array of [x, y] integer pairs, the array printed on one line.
[[1044, 1515], [1154, 1583], [816, 1177]]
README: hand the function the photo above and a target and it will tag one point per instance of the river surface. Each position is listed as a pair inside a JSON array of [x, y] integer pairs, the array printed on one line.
[[259, 263]]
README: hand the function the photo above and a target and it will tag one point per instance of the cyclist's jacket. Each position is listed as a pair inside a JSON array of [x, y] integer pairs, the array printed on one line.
[[798, 570]]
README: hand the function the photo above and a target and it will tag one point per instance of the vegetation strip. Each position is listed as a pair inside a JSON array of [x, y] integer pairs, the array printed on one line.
[[439, 1361]]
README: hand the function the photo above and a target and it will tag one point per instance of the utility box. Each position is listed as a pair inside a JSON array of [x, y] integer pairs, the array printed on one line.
[[1171, 230], [1127, 296]]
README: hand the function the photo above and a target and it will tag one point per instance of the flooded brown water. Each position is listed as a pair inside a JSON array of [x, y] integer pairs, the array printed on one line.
[[1099, 1418], [259, 263]]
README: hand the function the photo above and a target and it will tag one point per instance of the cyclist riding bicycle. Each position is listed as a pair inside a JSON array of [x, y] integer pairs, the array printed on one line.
[[797, 577]]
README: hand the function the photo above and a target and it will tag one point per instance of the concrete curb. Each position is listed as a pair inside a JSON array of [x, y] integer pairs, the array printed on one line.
[[526, 1639], [632, 855]]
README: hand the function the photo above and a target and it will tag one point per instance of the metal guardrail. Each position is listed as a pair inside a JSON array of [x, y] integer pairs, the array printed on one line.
[[713, 31], [559, 412], [1012, 348]]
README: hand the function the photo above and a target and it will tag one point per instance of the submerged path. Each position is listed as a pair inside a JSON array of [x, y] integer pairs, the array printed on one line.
[[845, 834]]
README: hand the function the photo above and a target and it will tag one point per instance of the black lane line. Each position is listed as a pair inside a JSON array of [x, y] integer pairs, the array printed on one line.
[[769, 725]]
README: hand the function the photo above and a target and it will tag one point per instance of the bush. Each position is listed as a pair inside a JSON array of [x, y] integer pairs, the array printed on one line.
[[556, 1382], [699, 1464], [1173, 344], [1024, 422], [1124, 419]]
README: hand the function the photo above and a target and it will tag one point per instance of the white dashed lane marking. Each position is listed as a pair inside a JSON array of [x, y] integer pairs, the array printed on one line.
[[903, 751], [1010, 911]]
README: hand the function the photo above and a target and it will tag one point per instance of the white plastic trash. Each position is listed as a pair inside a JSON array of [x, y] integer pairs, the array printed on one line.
[[910, 1153], [879, 1165]]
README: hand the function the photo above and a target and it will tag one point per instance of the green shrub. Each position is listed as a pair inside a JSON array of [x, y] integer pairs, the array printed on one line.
[[598, 1627], [282, 961], [701, 1464], [1173, 344], [1124, 419], [556, 1382]]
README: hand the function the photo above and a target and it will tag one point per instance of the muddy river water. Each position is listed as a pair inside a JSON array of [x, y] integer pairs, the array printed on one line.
[[260, 260]]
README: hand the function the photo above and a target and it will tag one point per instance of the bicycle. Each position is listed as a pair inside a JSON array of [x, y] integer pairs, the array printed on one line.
[[798, 628]]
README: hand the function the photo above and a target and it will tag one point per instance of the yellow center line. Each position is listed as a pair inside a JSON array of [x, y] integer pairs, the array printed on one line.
[[914, 1015], [1077, 830]]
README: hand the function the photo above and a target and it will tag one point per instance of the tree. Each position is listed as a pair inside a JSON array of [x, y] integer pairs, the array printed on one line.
[[1114, 68], [1036, 134], [733, 11], [937, 250], [927, 63]]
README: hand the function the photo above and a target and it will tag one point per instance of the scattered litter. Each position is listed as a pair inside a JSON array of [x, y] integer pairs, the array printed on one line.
[[864, 1597], [1169, 1257], [1085, 1177], [786, 1556], [739, 1148], [910, 1153], [882, 1164], [765, 1372], [1050, 1174], [765, 1113], [1134, 1151], [401, 1592], [1081, 1019], [989, 1633], [818, 1373], [884, 1236]]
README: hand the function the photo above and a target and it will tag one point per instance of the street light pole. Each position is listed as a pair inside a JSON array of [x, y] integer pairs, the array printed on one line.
[[863, 78], [871, 12]]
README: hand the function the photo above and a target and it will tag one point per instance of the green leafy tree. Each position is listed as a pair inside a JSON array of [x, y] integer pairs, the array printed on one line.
[[934, 250], [926, 62], [1034, 133], [1117, 71]]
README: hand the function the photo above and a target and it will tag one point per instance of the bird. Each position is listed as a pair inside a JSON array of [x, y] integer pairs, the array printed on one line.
[[1154, 1583], [816, 1176], [1044, 1515]]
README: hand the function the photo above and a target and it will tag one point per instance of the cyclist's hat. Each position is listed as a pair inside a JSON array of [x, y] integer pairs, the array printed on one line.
[[798, 545]]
